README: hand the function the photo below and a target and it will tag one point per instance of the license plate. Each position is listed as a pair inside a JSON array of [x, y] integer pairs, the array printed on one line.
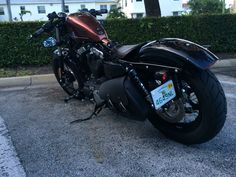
[[163, 94]]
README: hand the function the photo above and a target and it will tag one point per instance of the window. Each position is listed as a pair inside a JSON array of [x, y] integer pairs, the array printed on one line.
[[175, 13], [138, 0], [2, 11], [41, 10], [139, 15], [113, 6], [103, 7], [83, 6], [67, 9], [22, 9]]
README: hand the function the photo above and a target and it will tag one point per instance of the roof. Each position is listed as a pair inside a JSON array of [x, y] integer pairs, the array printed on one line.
[[53, 1]]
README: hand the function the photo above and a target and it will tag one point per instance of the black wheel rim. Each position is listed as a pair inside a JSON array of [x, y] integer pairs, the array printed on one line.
[[68, 80]]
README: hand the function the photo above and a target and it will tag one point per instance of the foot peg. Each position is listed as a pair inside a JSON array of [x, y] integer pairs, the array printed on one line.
[[76, 95]]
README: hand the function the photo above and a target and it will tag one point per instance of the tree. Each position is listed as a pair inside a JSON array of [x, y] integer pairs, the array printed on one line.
[[206, 6], [152, 8], [116, 14], [22, 13]]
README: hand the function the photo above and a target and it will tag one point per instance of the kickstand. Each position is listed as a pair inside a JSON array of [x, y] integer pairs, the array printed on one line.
[[96, 111]]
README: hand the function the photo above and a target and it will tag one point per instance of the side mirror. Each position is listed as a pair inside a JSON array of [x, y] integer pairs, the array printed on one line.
[[52, 15]]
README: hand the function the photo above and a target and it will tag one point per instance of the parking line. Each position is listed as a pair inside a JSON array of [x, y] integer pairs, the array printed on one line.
[[9, 162]]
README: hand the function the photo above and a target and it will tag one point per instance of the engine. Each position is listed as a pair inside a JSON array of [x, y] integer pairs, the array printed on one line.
[[93, 58]]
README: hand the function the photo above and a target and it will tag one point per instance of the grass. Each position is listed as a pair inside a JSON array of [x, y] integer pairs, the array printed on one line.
[[8, 72], [25, 70]]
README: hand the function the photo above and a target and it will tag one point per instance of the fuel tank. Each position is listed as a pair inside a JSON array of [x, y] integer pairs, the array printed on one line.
[[85, 27]]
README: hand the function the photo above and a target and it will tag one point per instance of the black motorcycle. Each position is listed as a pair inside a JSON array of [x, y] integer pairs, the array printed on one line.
[[166, 81]]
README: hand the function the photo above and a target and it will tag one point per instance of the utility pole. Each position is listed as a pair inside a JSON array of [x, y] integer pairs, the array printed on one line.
[[9, 10], [223, 6], [63, 5]]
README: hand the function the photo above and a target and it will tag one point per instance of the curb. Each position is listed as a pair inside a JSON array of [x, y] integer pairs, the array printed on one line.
[[223, 63], [26, 81]]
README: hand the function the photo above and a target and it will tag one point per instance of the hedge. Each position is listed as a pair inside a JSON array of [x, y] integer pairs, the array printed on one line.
[[219, 31]]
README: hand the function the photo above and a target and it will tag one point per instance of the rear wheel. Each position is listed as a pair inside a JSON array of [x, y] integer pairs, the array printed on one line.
[[199, 115]]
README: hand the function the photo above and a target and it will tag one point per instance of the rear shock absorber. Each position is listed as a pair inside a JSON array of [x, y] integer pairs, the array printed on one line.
[[134, 77]]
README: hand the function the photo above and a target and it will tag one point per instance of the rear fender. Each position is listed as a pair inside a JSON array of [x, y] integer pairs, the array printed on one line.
[[177, 53]]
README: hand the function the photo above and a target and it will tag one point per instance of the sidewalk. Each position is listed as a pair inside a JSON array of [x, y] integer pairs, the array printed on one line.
[[26, 81]]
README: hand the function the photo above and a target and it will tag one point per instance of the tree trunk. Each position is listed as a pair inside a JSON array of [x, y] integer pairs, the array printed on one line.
[[9, 10], [152, 8], [63, 5]]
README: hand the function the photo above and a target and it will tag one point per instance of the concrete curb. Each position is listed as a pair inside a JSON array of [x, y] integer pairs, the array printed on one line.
[[26, 81], [225, 63]]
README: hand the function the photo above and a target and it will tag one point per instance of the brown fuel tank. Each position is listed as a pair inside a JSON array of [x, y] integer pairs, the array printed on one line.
[[84, 26]]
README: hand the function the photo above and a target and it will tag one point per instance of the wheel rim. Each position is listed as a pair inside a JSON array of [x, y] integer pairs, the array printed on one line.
[[68, 80], [191, 107]]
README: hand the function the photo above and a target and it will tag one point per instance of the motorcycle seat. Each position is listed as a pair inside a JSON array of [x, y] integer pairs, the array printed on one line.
[[124, 50]]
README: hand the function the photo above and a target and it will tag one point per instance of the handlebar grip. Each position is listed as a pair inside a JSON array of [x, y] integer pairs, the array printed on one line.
[[52, 15], [38, 32]]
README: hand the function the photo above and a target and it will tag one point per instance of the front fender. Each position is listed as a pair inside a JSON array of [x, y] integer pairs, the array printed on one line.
[[177, 53]]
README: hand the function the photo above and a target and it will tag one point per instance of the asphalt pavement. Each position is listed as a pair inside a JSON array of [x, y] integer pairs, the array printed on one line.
[[48, 145]]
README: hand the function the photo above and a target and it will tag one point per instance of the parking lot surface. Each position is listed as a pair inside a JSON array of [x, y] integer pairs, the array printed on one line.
[[48, 145]]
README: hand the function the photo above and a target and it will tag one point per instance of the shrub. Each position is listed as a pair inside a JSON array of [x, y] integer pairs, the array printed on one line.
[[219, 31], [16, 50]]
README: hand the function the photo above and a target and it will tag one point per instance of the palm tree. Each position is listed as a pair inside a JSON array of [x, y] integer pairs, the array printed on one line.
[[22, 13], [116, 14], [152, 8]]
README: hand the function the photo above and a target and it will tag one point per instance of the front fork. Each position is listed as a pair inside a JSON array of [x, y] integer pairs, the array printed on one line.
[[59, 49]]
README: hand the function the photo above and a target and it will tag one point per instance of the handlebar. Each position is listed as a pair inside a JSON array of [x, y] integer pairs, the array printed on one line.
[[55, 19]]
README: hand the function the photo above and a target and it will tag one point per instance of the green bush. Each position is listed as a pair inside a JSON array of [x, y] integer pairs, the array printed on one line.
[[219, 31], [16, 50]]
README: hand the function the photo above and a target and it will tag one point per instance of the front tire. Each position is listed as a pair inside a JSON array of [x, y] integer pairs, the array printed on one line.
[[212, 111], [66, 77]]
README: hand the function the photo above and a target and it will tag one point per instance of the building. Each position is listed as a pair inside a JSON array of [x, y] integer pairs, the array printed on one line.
[[40, 8], [136, 8], [186, 7], [233, 7]]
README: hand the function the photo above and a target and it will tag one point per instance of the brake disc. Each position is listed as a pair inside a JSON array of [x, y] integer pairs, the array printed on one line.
[[174, 112]]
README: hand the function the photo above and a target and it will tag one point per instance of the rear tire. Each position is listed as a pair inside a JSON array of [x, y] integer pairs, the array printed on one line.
[[212, 113]]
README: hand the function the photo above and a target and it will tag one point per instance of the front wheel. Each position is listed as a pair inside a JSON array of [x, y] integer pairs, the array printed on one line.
[[66, 77], [206, 103]]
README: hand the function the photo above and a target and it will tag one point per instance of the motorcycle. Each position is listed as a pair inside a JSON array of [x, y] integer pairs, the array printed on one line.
[[166, 81]]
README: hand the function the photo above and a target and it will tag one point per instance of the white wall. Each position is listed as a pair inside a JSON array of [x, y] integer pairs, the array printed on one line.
[[170, 6], [5, 16], [167, 7], [33, 8], [133, 7]]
